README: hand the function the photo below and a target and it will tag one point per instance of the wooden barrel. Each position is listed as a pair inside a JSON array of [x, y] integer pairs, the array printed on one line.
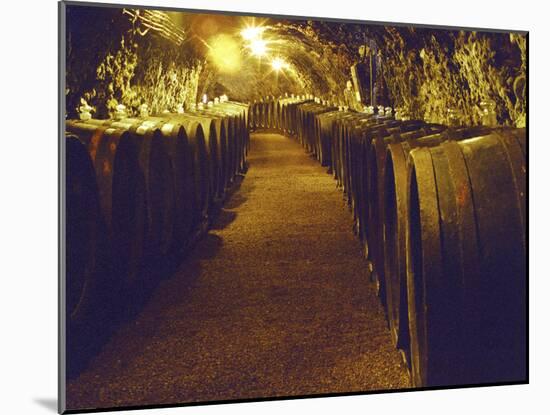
[[245, 134], [277, 114], [196, 138], [195, 127], [346, 132], [237, 135], [221, 129], [311, 127], [122, 195], [86, 243], [356, 142], [300, 115], [241, 140], [344, 155], [341, 140], [242, 130], [236, 149], [285, 117], [282, 115], [240, 107], [213, 134], [252, 116], [238, 140], [267, 112], [242, 143], [289, 116], [158, 175], [184, 172], [232, 148], [466, 261], [293, 115], [375, 189], [325, 130], [214, 128], [394, 225], [290, 123], [262, 116], [304, 113], [378, 140], [360, 132], [322, 130], [270, 112], [257, 115], [337, 149], [157, 171], [187, 154], [300, 121]]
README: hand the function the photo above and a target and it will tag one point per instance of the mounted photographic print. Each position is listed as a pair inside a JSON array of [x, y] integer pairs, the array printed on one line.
[[261, 207]]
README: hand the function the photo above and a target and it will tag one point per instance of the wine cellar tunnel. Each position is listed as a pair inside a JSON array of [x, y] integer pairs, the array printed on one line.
[[269, 207]]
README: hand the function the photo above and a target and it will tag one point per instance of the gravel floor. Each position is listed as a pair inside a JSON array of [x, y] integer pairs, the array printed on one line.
[[274, 301]]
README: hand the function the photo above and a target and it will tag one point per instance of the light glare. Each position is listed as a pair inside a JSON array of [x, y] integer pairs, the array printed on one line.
[[252, 33], [258, 47], [277, 64]]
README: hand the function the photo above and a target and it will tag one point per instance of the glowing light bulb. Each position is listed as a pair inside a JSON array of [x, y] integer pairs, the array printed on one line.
[[277, 64], [251, 32], [258, 47]]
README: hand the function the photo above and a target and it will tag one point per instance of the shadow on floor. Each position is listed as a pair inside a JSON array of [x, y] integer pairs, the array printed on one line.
[[48, 403], [207, 248], [225, 217], [236, 201]]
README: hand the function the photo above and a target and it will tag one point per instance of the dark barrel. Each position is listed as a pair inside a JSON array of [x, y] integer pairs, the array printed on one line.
[[375, 176], [337, 150], [195, 128], [215, 128], [122, 195], [184, 171], [394, 225], [157, 172], [242, 131], [270, 112], [86, 244], [466, 261], [323, 133], [310, 115], [358, 133]]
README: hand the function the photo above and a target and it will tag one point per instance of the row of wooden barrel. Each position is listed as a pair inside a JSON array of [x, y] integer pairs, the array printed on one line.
[[276, 114], [441, 214], [138, 194]]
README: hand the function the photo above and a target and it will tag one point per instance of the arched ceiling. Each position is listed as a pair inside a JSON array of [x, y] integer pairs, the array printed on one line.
[[166, 59]]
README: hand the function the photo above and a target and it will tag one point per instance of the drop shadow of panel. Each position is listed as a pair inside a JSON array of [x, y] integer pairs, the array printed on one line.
[[48, 403]]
